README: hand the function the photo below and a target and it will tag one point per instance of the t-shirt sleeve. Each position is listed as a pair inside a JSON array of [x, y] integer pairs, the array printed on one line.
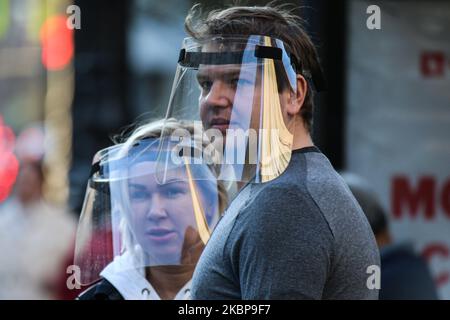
[[281, 246]]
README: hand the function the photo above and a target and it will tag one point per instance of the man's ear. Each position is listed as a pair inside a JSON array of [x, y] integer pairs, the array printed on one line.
[[297, 99]]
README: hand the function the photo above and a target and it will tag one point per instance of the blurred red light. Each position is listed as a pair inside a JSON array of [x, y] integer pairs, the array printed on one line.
[[9, 166], [57, 43]]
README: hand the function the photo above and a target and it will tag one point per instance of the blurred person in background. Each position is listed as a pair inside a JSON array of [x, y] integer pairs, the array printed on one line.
[[404, 274], [139, 236], [35, 236]]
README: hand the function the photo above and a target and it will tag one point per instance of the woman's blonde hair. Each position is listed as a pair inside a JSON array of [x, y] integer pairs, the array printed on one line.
[[155, 130]]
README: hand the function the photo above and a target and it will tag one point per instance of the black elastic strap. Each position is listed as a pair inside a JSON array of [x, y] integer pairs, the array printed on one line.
[[268, 53], [194, 59]]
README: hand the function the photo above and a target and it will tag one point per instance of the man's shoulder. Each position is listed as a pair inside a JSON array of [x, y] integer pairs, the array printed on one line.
[[331, 196], [323, 182], [281, 203], [307, 171], [307, 167], [274, 192]]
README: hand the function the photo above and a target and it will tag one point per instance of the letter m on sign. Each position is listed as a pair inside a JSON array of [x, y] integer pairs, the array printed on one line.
[[407, 199]]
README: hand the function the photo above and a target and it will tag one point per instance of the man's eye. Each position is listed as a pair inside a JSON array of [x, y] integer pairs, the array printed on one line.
[[206, 85], [239, 81], [234, 82], [245, 82]]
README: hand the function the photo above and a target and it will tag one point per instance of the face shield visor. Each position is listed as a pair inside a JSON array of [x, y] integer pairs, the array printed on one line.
[[235, 90], [129, 214]]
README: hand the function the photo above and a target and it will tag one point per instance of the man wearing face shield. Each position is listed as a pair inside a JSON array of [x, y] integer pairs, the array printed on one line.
[[294, 231], [139, 237]]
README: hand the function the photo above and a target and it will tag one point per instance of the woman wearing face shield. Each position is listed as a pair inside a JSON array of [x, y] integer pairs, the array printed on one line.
[[145, 219]]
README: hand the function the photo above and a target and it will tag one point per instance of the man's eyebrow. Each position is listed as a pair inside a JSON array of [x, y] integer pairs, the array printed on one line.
[[218, 74], [202, 76]]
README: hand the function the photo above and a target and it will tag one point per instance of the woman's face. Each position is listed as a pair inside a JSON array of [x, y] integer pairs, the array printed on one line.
[[161, 213]]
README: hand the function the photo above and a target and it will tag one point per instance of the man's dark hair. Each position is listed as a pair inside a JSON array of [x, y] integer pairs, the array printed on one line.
[[270, 20]]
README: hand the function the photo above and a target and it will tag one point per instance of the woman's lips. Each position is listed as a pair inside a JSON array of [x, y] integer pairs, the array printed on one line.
[[221, 127], [161, 235]]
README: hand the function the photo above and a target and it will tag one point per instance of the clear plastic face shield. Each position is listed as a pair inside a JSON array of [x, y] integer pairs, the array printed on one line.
[[235, 90], [128, 213]]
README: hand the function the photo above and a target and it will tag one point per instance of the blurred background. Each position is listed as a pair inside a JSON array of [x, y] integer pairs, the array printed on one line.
[[73, 74]]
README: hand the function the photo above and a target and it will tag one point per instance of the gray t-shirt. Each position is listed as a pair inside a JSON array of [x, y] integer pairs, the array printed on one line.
[[299, 236]]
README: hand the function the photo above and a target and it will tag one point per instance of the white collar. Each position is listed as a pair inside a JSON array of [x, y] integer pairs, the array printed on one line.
[[131, 283]]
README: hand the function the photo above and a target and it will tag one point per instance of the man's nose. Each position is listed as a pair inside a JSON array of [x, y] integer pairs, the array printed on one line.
[[220, 94]]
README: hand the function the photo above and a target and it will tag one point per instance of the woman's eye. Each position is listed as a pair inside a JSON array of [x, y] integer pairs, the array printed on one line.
[[172, 193], [140, 195]]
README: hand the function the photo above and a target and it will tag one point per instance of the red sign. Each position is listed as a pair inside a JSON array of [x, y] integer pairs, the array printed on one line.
[[432, 64], [424, 197]]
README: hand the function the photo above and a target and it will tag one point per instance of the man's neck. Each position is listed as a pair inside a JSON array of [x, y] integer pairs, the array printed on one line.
[[302, 137], [302, 142]]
